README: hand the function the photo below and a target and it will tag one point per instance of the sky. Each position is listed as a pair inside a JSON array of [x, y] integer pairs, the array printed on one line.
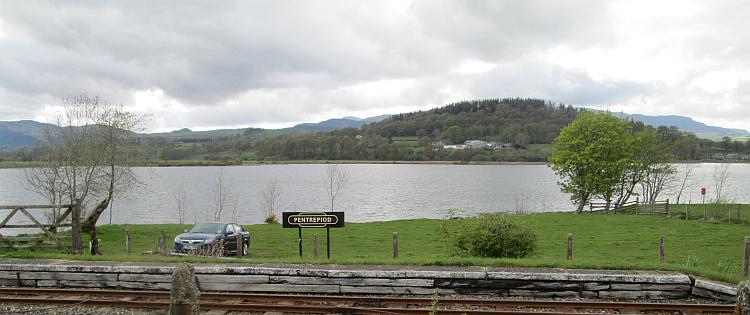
[[270, 64]]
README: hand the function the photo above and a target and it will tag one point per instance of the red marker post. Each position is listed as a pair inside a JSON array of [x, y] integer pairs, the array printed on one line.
[[703, 194]]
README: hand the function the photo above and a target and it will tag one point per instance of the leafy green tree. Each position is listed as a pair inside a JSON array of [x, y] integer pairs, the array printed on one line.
[[591, 156]]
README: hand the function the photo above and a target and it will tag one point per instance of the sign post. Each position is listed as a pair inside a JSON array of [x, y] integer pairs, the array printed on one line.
[[703, 194], [302, 220]]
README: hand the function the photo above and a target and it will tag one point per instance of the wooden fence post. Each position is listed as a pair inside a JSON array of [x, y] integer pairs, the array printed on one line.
[[127, 242], [240, 244], [570, 246], [94, 250], [76, 227], [746, 258], [161, 244], [729, 212], [316, 246], [661, 249], [636, 204], [738, 212], [669, 210], [395, 245]]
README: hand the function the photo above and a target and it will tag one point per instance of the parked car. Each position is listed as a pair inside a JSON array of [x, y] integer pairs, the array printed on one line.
[[204, 235]]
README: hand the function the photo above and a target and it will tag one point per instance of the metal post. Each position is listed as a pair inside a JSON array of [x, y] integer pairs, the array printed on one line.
[[328, 242], [299, 239]]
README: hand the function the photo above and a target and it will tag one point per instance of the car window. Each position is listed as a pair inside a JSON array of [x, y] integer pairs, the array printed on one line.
[[238, 228], [207, 228], [230, 228]]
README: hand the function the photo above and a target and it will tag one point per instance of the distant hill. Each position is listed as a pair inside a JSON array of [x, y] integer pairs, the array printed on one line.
[[21, 133], [185, 133], [688, 124], [336, 123], [13, 140]]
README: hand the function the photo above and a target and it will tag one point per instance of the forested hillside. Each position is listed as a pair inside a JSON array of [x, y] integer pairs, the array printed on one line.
[[515, 120], [512, 129], [420, 135]]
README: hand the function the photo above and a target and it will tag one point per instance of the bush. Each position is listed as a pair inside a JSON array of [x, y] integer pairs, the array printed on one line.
[[495, 235], [271, 218]]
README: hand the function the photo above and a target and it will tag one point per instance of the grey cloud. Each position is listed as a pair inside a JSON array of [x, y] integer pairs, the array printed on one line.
[[290, 61], [202, 53]]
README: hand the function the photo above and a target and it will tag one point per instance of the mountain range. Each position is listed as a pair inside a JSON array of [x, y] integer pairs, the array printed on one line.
[[27, 133]]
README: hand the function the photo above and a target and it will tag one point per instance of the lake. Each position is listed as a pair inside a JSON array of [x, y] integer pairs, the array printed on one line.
[[375, 192]]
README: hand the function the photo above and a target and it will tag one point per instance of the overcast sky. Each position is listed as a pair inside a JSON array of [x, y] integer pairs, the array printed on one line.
[[205, 65]]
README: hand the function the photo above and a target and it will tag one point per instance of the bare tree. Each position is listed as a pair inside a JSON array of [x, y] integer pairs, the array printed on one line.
[[657, 178], [720, 177], [686, 176], [114, 127], [224, 198], [84, 155], [522, 202], [181, 201], [269, 200], [337, 179]]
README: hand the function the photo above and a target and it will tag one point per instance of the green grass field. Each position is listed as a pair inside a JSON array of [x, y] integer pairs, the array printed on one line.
[[600, 241]]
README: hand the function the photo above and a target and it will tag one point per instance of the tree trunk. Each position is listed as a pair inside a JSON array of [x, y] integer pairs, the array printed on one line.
[[581, 204], [90, 222]]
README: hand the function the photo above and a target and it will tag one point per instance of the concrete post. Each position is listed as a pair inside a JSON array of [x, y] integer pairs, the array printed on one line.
[[185, 298], [743, 298]]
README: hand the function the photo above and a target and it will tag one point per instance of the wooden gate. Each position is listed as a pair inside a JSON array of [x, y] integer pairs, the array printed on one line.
[[48, 234]]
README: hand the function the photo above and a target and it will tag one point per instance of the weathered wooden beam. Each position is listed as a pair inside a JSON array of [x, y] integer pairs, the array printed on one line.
[[41, 226], [26, 226], [8, 207], [32, 238], [8, 217], [64, 215]]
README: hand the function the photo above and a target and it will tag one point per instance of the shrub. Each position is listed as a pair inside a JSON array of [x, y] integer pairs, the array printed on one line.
[[271, 218], [495, 235]]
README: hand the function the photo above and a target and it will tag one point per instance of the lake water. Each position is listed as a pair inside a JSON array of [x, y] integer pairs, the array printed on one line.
[[375, 192]]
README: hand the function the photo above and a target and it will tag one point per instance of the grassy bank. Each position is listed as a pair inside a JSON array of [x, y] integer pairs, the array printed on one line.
[[714, 213], [600, 241]]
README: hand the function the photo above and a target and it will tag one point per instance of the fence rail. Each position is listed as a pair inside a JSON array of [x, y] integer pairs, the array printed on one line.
[[633, 207]]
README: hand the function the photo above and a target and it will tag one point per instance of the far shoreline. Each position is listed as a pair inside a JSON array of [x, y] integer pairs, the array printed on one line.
[[258, 163], [194, 163]]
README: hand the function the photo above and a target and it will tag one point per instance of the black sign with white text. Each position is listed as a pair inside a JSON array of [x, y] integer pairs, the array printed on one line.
[[313, 219]]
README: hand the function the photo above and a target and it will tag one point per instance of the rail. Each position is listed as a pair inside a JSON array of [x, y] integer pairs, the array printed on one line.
[[344, 304]]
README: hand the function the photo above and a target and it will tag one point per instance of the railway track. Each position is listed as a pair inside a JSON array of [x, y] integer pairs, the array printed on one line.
[[324, 304]]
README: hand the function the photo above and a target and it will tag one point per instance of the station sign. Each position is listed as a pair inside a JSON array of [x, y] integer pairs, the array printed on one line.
[[312, 219]]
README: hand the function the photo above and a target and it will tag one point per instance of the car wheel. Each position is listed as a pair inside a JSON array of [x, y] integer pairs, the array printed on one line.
[[244, 249]]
